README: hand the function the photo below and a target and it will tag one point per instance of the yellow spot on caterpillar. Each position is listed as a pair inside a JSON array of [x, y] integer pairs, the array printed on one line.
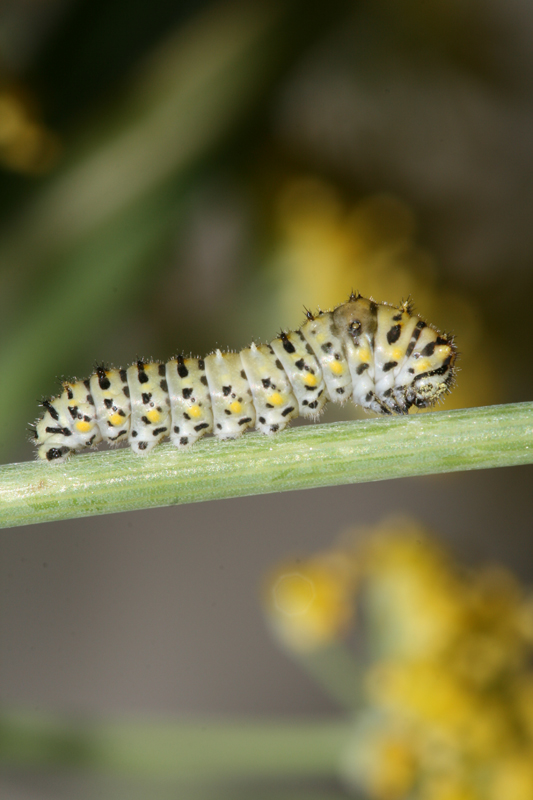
[[311, 380], [194, 411], [236, 407], [153, 415], [336, 368], [276, 399], [83, 426], [397, 354], [423, 365], [364, 355], [116, 419]]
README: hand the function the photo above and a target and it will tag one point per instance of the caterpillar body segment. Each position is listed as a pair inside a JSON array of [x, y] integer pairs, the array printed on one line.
[[150, 405], [384, 357], [190, 401], [303, 371], [231, 396], [324, 340], [273, 396], [109, 394]]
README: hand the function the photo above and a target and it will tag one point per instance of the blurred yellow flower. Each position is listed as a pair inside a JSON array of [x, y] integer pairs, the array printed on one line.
[[26, 145], [524, 619], [311, 603], [495, 638], [429, 695], [512, 778], [381, 758], [422, 690], [412, 597], [449, 787], [328, 247], [448, 690]]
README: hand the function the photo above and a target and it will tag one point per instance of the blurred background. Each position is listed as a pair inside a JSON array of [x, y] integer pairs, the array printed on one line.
[[179, 176]]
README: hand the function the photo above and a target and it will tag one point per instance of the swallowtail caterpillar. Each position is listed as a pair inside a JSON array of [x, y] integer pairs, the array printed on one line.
[[386, 358]]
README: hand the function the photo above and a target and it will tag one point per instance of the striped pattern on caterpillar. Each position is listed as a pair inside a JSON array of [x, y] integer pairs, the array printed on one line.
[[384, 357]]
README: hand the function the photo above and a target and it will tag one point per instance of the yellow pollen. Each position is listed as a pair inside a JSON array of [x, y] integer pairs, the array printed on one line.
[[235, 407], [153, 415], [83, 426], [311, 380], [116, 419], [276, 399], [195, 411], [336, 368]]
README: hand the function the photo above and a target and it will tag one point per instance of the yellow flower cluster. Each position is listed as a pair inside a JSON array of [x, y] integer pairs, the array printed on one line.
[[328, 247], [311, 603], [448, 711], [26, 145], [462, 691]]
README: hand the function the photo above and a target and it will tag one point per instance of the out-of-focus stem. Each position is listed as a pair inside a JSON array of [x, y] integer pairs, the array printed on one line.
[[202, 750]]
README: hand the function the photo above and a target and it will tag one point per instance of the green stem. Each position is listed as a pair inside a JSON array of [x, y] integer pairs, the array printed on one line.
[[191, 750], [301, 458], [336, 669]]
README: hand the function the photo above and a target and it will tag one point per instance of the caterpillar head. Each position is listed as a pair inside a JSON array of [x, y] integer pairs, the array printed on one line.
[[409, 362]]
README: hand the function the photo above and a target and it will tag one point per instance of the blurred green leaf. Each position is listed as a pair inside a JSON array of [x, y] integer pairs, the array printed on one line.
[[96, 224]]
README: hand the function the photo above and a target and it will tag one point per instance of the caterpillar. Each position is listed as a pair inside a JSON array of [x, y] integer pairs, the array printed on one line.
[[385, 357]]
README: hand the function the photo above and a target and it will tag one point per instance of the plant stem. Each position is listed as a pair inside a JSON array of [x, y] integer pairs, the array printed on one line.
[[301, 458], [188, 750], [336, 669]]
